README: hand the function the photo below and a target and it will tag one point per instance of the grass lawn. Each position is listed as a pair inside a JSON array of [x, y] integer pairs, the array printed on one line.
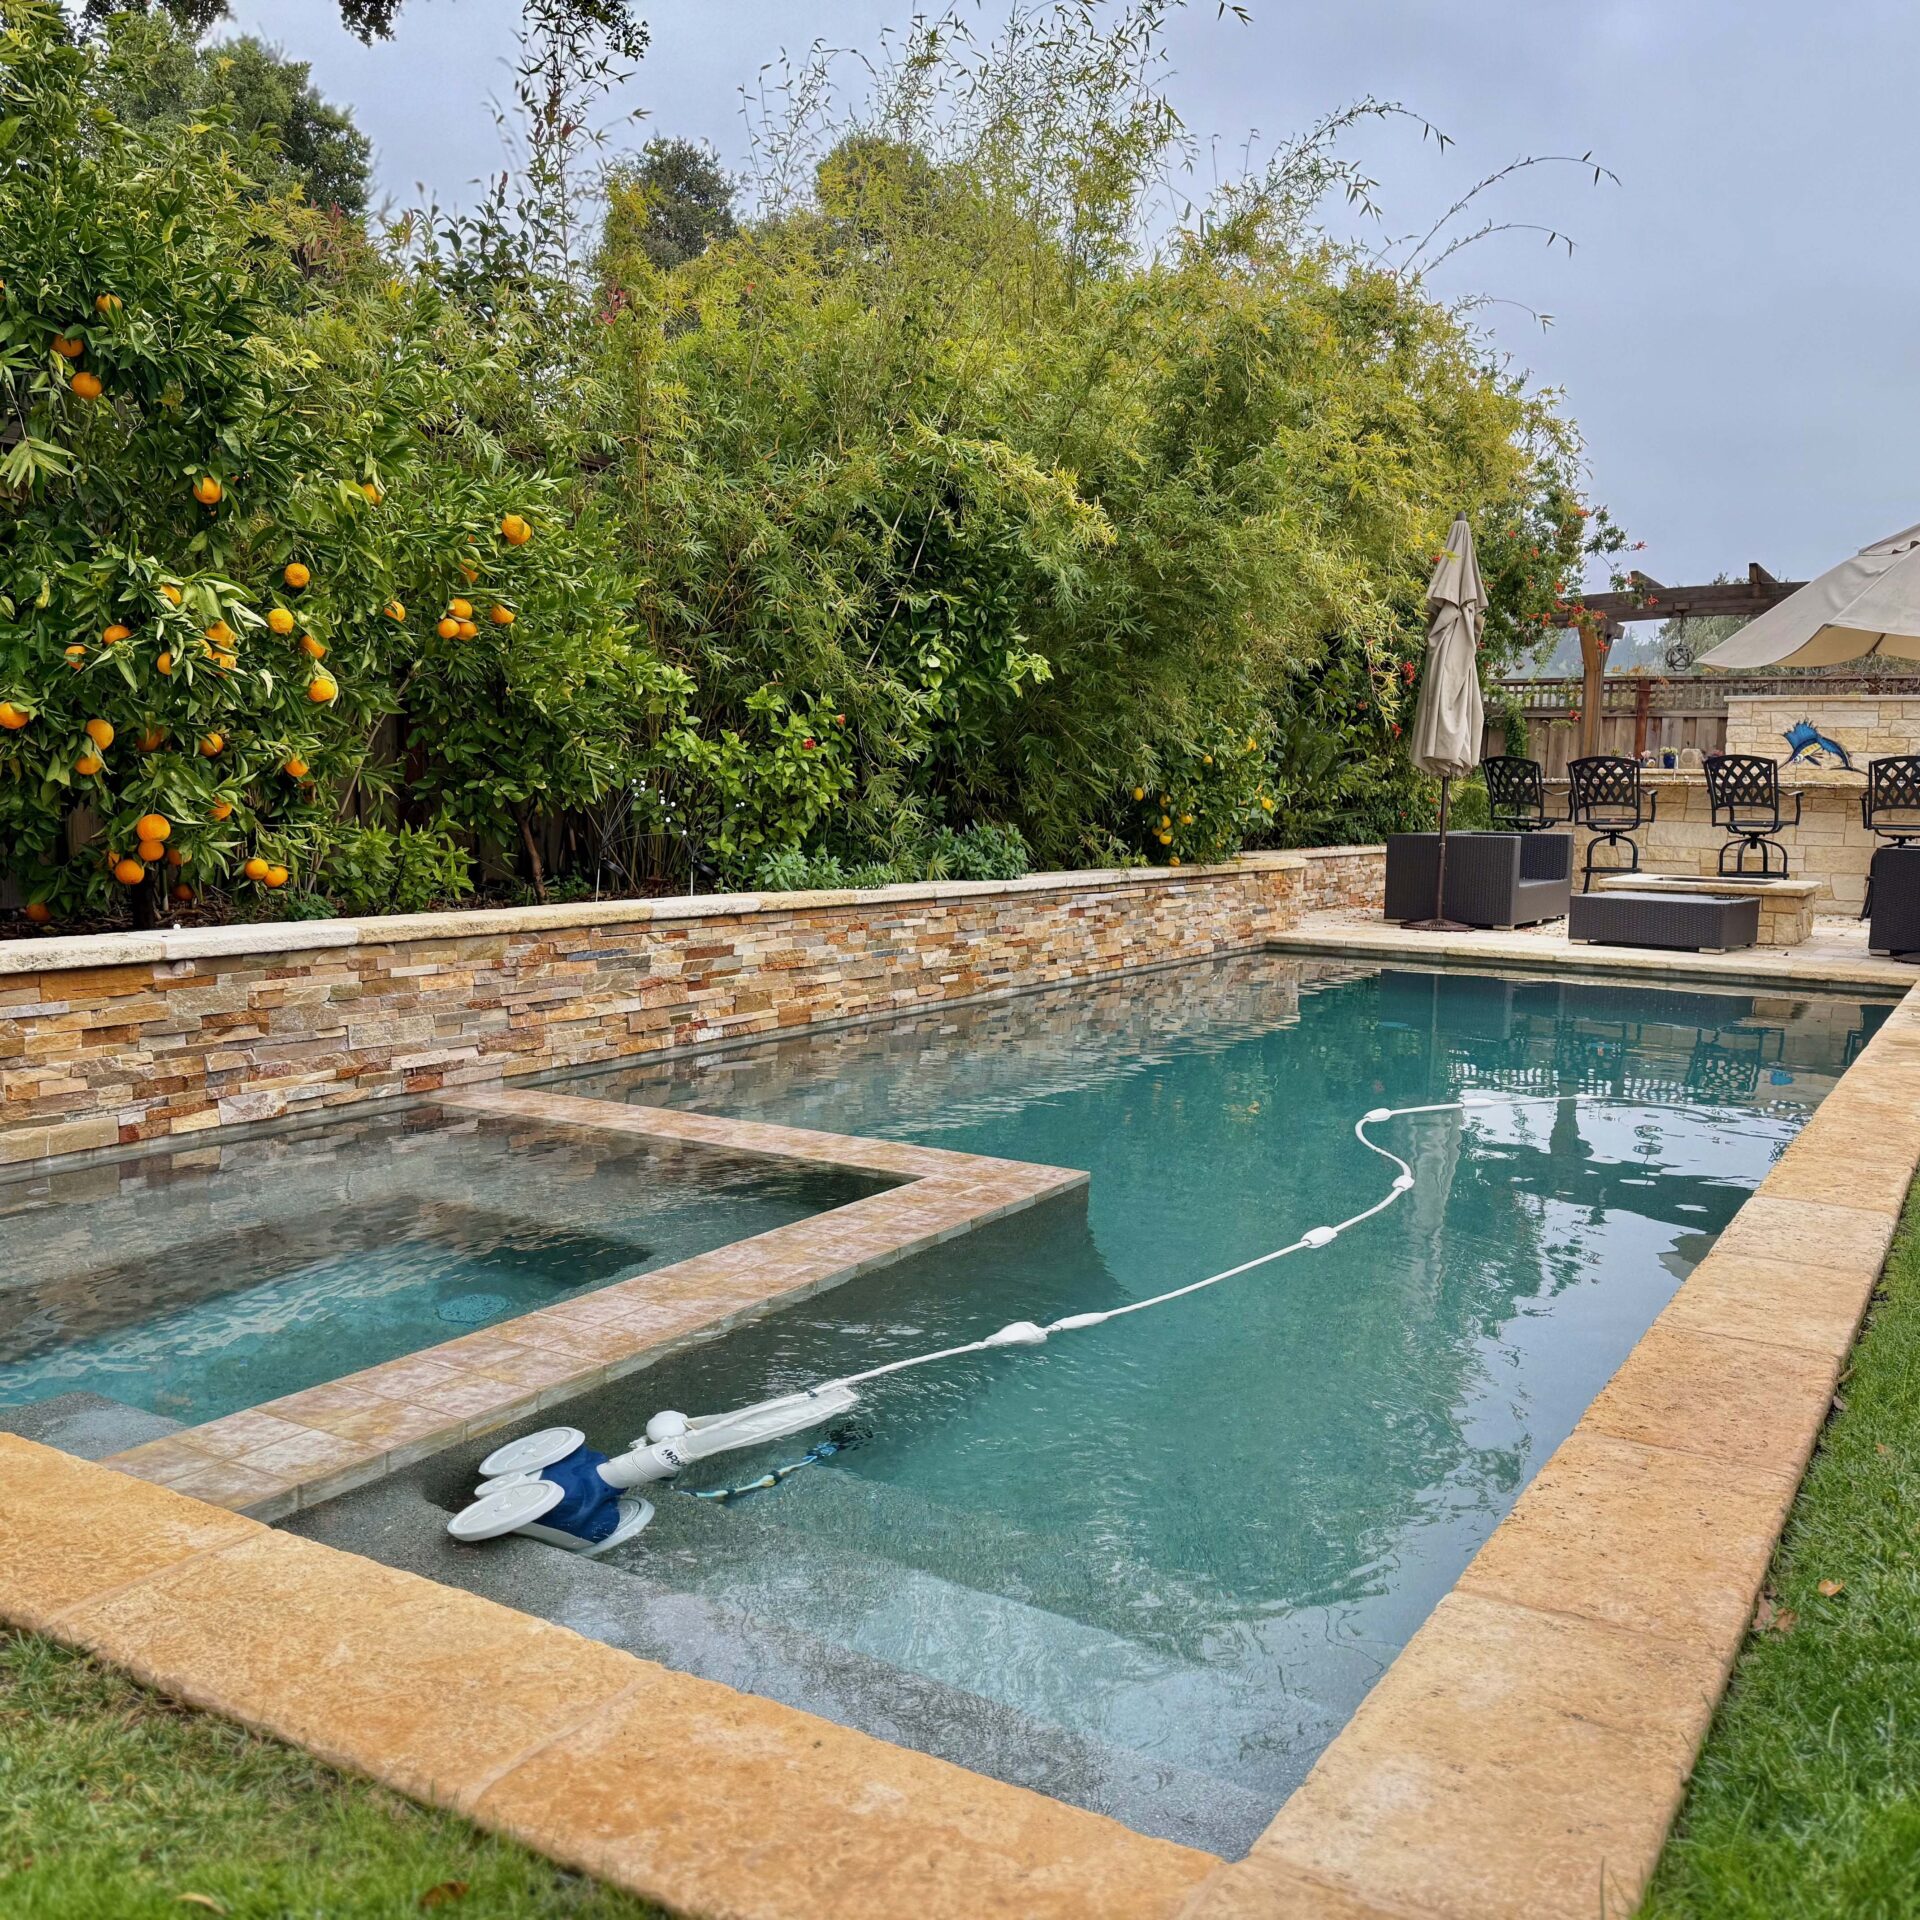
[[117, 1805], [1807, 1796]]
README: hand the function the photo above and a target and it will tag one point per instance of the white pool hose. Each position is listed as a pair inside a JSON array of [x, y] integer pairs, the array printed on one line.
[[551, 1485]]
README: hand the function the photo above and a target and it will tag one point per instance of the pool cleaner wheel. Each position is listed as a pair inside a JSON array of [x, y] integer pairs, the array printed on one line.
[[530, 1505]]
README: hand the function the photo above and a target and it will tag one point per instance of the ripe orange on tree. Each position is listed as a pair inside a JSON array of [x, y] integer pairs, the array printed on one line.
[[221, 809], [322, 688], [170, 591], [295, 575], [152, 739], [312, 648], [164, 664], [100, 732], [13, 718], [68, 347], [515, 531], [280, 620], [460, 609], [277, 876], [296, 768], [38, 912], [183, 892], [468, 631], [114, 634], [152, 852], [76, 654], [88, 764], [106, 303], [85, 386], [255, 869], [448, 629], [501, 616], [212, 745], [153, 826], [373, 493], [208, 491], [394, 611], [129, 873]]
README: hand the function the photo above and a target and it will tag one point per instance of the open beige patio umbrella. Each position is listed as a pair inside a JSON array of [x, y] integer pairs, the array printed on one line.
[[1867, 605], [1448, 722]]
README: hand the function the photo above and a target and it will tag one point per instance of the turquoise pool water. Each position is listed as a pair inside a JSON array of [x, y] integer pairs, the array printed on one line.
[[1153, 1567], [192, 1283]]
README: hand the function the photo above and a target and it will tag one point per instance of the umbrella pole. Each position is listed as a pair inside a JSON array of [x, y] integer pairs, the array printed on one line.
[[1439, 923]]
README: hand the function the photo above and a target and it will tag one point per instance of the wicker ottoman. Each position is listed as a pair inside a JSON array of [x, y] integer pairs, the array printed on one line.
[[1691, 920]]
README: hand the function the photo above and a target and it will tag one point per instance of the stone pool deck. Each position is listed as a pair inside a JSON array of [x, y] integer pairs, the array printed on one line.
[[1835, 956]]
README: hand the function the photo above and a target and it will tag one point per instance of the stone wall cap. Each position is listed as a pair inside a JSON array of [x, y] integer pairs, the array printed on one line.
[[167, 945]]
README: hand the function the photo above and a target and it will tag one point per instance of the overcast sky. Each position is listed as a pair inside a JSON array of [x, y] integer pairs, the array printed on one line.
[[1736, 332]]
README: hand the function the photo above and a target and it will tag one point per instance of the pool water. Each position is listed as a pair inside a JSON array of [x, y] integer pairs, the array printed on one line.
[[1153, 1567], [196, 1282]]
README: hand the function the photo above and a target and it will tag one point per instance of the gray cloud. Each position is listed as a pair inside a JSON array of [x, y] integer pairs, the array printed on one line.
[[1733, 331]]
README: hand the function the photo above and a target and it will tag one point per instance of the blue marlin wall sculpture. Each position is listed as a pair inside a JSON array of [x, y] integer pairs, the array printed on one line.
[[1804, 737]]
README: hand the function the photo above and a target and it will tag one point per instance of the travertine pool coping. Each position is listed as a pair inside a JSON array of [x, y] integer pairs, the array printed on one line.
[[306, 1447], [1835, 957], [1523, 1757]]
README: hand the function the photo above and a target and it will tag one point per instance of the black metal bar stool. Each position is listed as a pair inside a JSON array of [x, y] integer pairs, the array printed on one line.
[[1604, 795], [1743, 793], [1893, 790], [1516, 793]]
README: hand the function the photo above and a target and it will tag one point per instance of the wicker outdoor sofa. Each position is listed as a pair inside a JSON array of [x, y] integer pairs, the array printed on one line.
[[1493, 879]]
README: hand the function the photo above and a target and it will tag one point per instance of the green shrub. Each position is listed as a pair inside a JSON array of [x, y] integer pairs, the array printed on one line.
[[373, 869]]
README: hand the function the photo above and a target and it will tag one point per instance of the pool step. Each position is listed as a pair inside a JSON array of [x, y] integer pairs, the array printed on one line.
[[1100, 1583], [1086, 1680], [627, 1602], [88, 1425]]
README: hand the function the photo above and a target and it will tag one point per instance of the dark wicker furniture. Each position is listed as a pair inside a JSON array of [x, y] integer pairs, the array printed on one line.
[[1689, 920], [1890, 808], [1493, 879], [1516, 793], [1604, 795], [1743, 791], [1893, 897]]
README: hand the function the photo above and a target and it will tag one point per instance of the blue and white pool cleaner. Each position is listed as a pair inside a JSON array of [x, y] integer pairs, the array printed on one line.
[[552, 1486]]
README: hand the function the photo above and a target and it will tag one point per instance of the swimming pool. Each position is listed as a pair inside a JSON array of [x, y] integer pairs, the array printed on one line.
[[1153, 1569], [192, 1282]]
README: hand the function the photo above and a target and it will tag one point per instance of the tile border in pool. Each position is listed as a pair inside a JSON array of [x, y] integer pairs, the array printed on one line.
[[1523, 1756], [306, 1447]]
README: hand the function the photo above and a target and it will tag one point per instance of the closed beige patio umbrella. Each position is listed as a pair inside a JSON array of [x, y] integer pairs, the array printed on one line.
[[1867, 605], [1448, 722]]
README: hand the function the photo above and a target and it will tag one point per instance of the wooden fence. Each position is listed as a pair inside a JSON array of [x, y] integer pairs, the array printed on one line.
[[1642, 713]]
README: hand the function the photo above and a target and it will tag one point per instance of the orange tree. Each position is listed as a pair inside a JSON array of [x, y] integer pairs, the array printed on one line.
[[263, 543]]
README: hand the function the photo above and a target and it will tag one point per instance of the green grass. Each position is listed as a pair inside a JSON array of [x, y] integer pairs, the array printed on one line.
[[115, 1804], [1806, 1801]]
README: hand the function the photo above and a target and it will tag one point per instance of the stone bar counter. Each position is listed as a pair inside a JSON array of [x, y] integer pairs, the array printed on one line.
[[1829, 845]]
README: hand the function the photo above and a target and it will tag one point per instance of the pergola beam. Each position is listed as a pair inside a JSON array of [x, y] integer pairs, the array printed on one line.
[[1604, 614]]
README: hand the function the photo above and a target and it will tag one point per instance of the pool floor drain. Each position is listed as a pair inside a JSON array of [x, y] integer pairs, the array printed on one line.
[[470, 1309]]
